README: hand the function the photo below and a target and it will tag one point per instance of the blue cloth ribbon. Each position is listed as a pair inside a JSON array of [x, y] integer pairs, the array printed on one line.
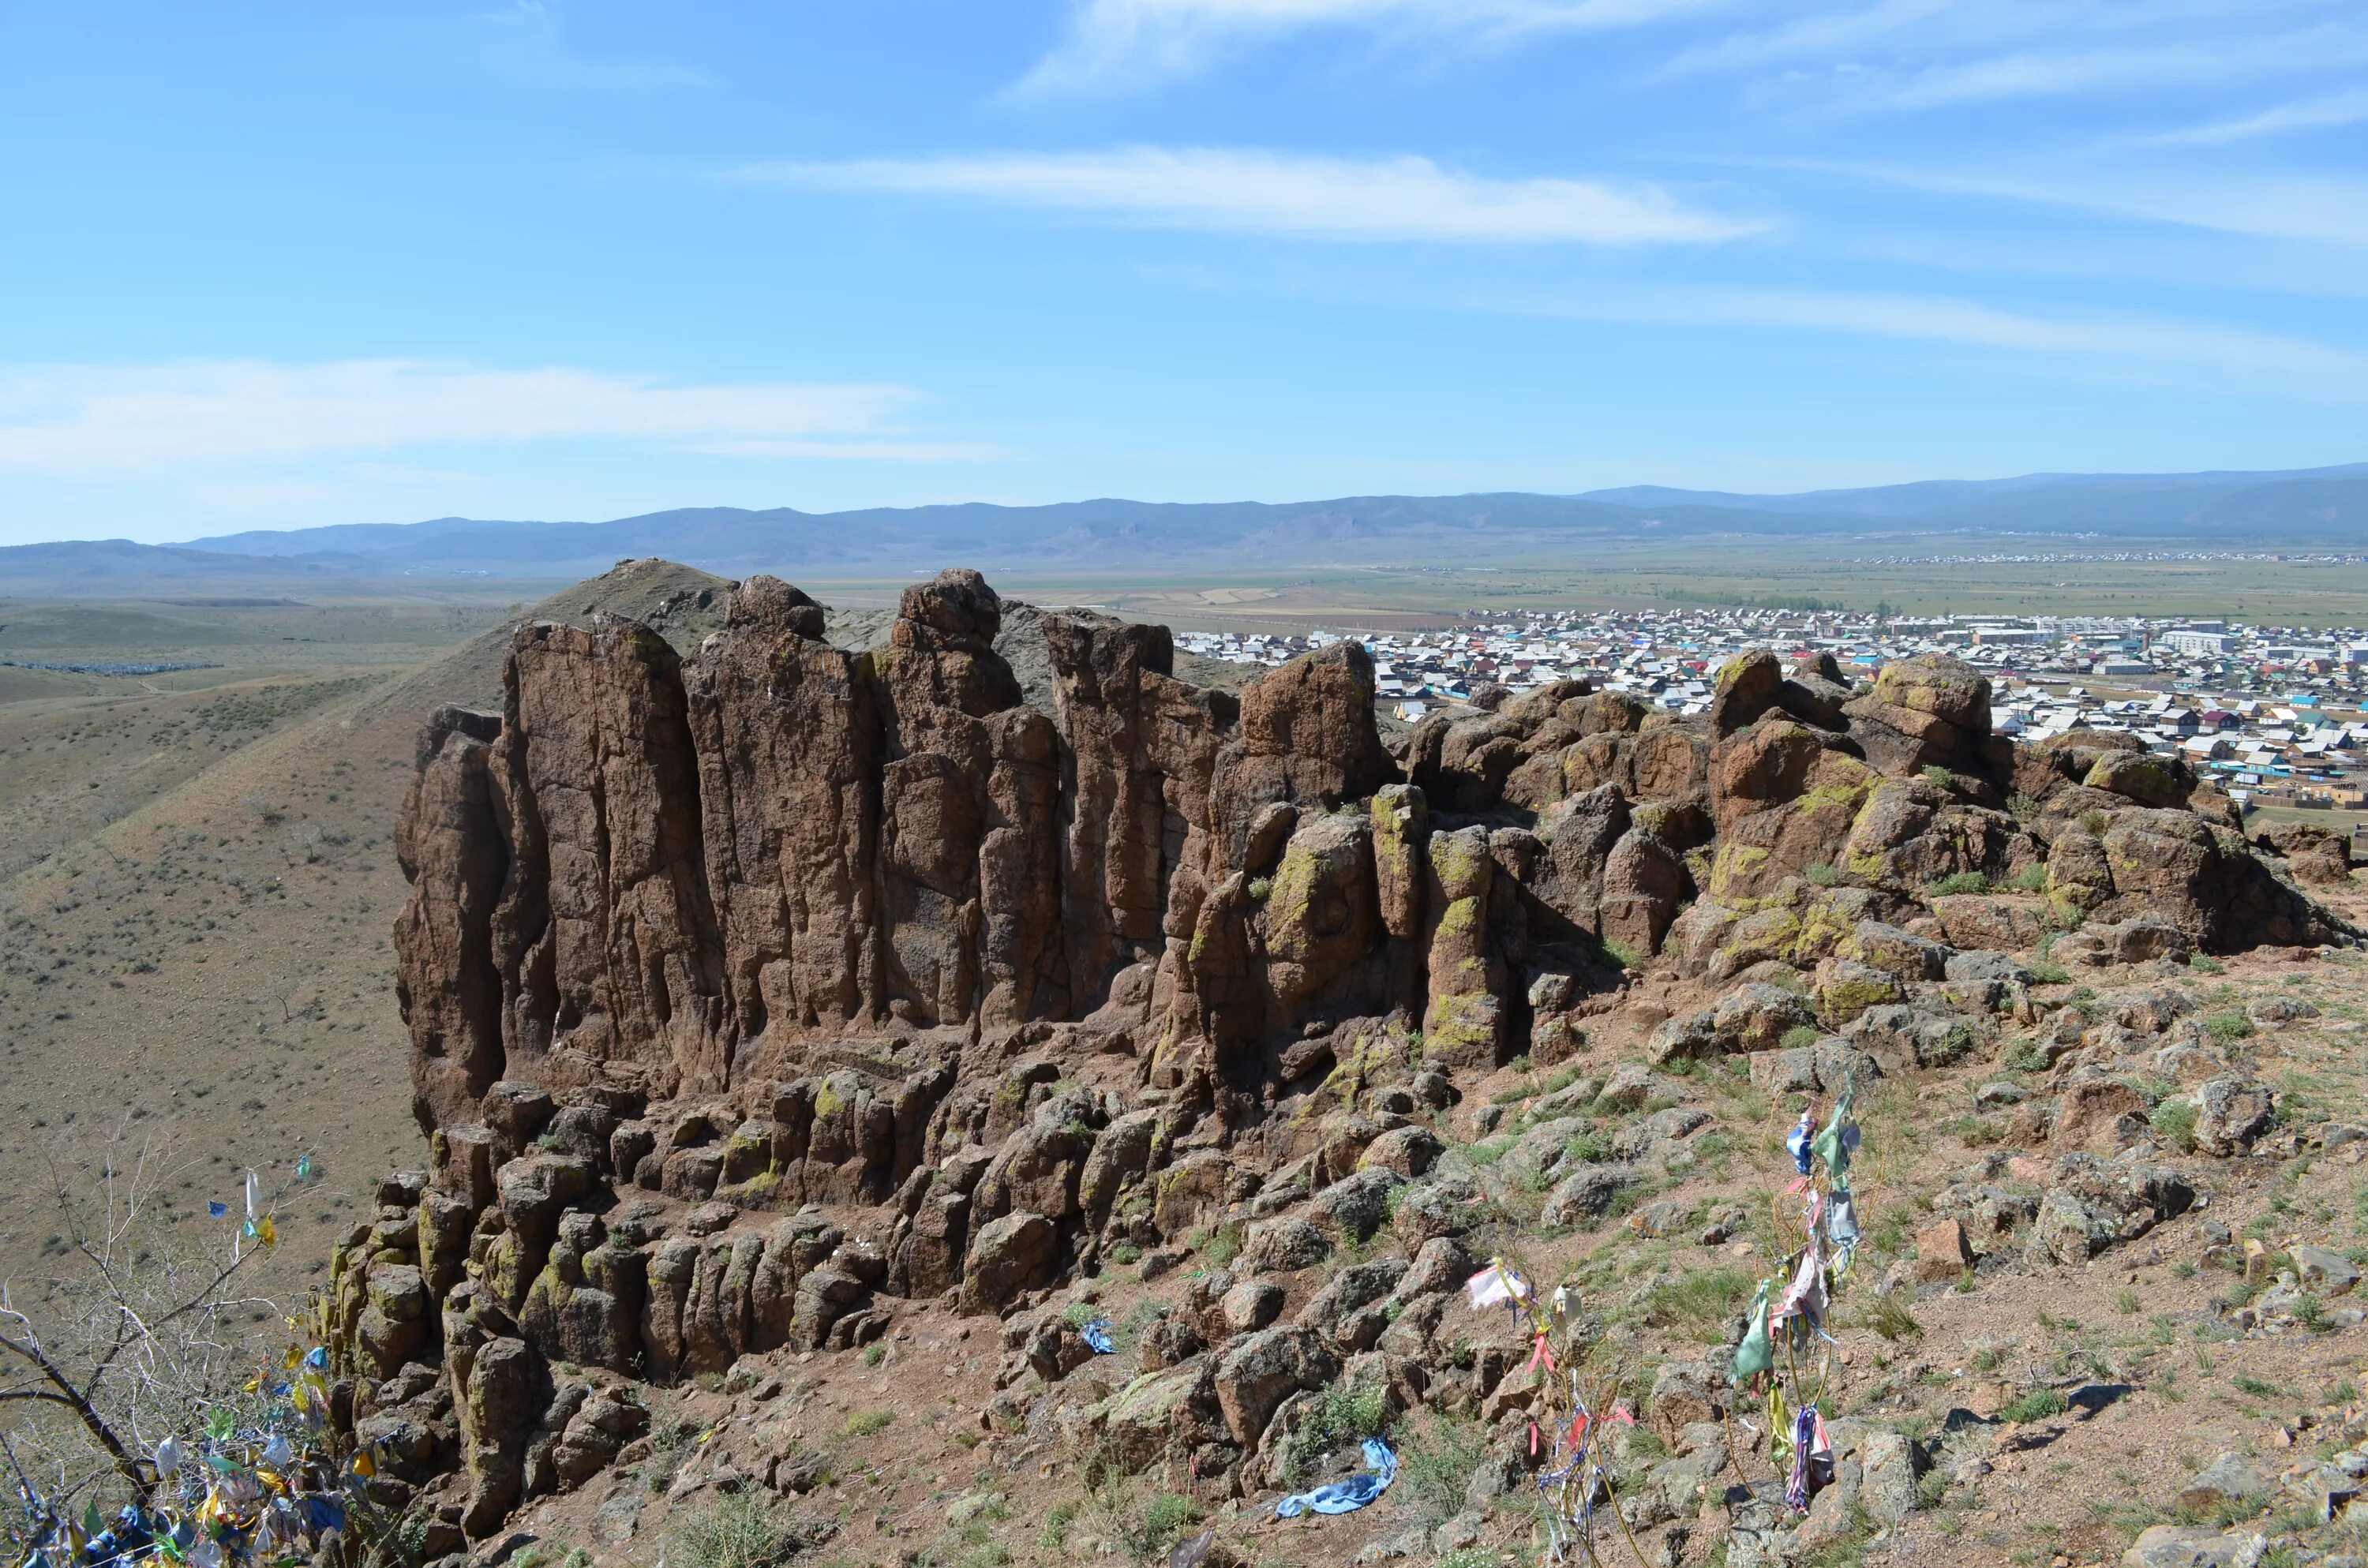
[[1347, 1496], [1097, 1334]]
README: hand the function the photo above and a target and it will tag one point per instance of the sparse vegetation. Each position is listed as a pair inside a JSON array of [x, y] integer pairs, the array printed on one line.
[[867, 1423], [1887, 1313], [1701, 1301], [2174, 1122], [2039, 1404], [744, 1530], [2228, 1027], [1435, 1464]]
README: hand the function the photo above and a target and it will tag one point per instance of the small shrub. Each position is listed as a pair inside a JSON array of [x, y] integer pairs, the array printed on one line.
[[1938, 777], [744, 1530], [1435, 1466], [1800, 1037], [2230, 1027], [1056, 1524], [1586, 1146], [2174, 1122], [866, 1423], [1702, 1301], [2221, 1512], [2125, 1301], [1822, 875], [1341, 1416], [2048, 972], [1160, 1526], [2027, 1056], [1961, 882], [2204, 963], [2260, 1388], [1261, 889], [2094, 823], [1623, 954], [2030, 879], [1888, 1314], [2036, 1405], [875, 1353]]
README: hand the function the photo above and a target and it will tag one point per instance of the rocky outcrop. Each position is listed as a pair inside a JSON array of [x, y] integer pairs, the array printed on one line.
[[759, 991]]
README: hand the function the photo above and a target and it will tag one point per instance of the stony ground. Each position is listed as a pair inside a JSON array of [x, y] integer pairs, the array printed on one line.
[[2200, 1381]]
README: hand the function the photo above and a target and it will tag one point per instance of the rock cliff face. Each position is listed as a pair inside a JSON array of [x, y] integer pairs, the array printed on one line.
[[757, 989]]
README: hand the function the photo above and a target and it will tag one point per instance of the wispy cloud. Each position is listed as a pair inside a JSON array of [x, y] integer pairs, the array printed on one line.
[[1261, 192], [2315, 114], [1115, 44], [77, 419], [2127, 65], [2128, 340], [2310, 209], [1916, 55]]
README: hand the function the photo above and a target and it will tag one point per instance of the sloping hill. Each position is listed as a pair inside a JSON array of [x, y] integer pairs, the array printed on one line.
[[211, 976]]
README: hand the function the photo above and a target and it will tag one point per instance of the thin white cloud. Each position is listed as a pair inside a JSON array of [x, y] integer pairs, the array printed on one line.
[[2315, 114], [2117, 341], [2312, 210], [1822, 33], [1261, 192], [78, 419], [877, 451], [1917, 55], [1114, 44], [2120, 67]]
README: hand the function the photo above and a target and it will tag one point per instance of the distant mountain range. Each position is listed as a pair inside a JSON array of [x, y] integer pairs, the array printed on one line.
[[2299, 508]]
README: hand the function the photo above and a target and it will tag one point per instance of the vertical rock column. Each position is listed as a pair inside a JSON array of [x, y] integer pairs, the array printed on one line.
[[1464, 1021], [450, 841], [788, 731], [612, 966], [944, 683]]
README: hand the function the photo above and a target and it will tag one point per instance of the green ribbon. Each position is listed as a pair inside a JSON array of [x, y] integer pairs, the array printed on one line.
[[1755, 1355], [1830, 1145]]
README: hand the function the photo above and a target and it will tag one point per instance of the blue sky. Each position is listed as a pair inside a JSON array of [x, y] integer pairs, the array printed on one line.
[[277, 266]]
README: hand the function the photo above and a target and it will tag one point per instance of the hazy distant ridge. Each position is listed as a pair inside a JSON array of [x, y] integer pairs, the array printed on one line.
[[2307, 508]]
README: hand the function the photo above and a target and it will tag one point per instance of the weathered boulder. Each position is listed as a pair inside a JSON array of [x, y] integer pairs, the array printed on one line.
[[1258, 1374], [2231, 1111], [2316, 856], [2095, 1204], [1005, 1257], [2144, 776]]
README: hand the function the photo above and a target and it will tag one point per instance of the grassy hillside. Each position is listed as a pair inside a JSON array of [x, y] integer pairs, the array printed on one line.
[[194, 912]]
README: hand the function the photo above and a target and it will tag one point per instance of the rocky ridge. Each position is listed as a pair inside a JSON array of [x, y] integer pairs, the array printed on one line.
[[768, 998]]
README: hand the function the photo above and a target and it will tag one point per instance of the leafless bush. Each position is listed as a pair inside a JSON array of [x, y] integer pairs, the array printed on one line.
[[146, 1383]]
